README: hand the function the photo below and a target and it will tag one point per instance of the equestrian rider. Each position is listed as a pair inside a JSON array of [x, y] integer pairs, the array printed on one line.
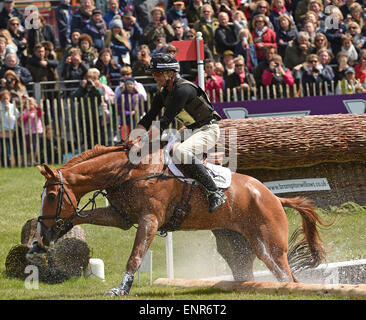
[[188, 103]]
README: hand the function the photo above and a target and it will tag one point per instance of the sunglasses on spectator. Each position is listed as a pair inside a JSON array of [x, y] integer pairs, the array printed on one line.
[[352, 28], [190, 36], [319, 40], [313, 61], [239, 65], [259, 21], [262, 7], [171, 51]]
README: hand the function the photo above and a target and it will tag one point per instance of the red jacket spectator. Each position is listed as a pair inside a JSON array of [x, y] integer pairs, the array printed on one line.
[[268, 76], [262, 35], [360, 71]]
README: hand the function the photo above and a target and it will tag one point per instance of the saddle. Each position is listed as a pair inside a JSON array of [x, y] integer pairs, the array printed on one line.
[[220, 174]]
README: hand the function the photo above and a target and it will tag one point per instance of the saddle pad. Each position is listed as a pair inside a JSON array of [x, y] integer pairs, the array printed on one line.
[[219, 174]]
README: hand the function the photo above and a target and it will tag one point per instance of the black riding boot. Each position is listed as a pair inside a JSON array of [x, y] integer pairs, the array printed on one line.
[[198, 171]]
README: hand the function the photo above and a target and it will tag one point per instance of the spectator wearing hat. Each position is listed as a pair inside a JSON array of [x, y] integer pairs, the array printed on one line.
[[177, 12], [132, 27], [349, 84], [225, 35], [97, 29], [129, 102], [63, 16], [207, 25], [113, 10], [158, 25], [126, 72], [263, 35], [228, 63], [83, 15], [8, 12], [88, 52], [118, 42]]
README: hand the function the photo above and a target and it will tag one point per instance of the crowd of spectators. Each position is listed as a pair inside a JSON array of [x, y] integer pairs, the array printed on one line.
[[248, 44]]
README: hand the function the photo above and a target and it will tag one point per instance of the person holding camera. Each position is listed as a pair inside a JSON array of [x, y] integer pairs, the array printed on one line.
[[158, 25], [312, 73], [143, 61], [277, 76], [214, 84]]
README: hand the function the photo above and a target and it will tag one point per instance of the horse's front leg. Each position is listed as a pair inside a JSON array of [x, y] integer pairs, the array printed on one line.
[[147, 227]]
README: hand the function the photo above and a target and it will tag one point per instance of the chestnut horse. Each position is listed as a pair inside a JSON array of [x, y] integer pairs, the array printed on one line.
[[146, 195]]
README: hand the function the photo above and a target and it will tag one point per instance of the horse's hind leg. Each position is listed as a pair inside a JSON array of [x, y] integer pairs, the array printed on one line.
[[236, 251]]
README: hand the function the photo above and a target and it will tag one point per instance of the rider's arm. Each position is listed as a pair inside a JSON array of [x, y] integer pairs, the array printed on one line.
[[156, 105]]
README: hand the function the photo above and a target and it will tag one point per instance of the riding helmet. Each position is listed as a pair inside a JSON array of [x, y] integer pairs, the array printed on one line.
[[162, 62]]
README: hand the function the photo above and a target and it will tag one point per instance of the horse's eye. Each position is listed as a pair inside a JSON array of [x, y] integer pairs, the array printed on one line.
[[51, 197]]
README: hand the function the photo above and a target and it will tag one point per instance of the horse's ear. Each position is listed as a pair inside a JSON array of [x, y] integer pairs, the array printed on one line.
[[46, 172]]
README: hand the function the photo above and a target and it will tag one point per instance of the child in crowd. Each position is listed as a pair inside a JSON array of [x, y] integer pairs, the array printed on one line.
[[8, 115], [33, 129]]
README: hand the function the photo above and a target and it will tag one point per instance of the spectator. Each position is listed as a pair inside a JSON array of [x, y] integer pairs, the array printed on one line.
[[179, 32], [262, 7], [8, 12], [96, 28], [350, 49], [240, 21], [320, 42], [117, 41], [108, 67], [277, 76], [225, 35], [313, 17], [246, 49], [317, 7], [12, 63], [345, 7], [15, 87], [126, 72], [129, 100], [89, 95], [9, 113], [102, 5], [219, 70], [341, 66], [3, 43], [158, 25], [286, 34], [142, 12], [354, 30], [114, 10], [159, 44], [88, 52], [258, 71], [325, 58], [263, 36], [360, 69], [214, 85], [74, 68], [143, 61], [18, 38], [177, 13], [301, 9], [278, 9], [228, 62], [311, 73], [335, 30], [310, 28], [240, 79], [44, 32], [193, 12], [135, 32], [31, 118], [296, 53], [349, 84], [356, 14], [63, 16], [83, 15], [43, 70], [11, 47], [207, 25]]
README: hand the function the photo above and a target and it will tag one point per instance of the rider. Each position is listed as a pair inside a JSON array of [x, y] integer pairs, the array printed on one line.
[[188, 103]]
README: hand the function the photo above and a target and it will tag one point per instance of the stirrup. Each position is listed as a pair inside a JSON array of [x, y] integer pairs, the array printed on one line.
[[216, 199]]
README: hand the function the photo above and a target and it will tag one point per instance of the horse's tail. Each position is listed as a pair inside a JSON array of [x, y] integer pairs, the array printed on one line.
[[309, 252]]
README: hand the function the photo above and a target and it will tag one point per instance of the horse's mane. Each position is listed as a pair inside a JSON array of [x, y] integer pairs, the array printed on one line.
[[97, 151]]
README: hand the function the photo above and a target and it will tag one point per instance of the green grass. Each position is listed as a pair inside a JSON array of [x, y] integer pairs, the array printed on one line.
[[195, 255]]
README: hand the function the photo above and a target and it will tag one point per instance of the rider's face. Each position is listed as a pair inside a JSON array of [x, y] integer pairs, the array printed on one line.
[[159, 77]]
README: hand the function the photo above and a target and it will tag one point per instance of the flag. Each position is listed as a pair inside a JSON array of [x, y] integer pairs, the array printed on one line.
[[187, 50]]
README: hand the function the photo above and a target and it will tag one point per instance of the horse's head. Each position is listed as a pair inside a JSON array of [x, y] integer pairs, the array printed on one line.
[[58, 206]]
